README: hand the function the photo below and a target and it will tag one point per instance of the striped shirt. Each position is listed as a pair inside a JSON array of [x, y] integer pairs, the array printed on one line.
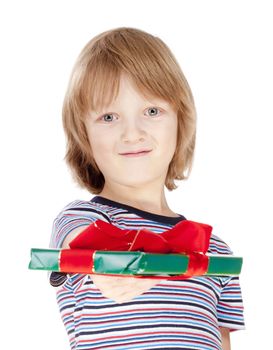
[[173, 314]]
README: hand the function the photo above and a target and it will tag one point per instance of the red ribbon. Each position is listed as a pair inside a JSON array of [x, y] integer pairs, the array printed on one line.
[[76, 260], [187, 237]]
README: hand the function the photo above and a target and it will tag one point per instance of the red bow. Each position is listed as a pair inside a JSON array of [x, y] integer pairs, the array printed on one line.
[[188, 237]]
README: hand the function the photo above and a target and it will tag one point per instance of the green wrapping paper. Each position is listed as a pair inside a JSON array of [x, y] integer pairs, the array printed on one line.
[[130, 263]]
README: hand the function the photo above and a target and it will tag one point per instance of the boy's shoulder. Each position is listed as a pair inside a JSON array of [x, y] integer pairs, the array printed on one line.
[[73, 215], [79, 203], [218, 246], [83, 208]]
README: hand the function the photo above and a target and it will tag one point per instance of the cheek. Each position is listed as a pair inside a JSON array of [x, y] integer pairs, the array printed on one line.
[[168, 136], [171, 142], [173, 132], [100, 145]]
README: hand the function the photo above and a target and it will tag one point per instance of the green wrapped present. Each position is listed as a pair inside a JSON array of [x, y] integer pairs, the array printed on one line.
[[134, 263]]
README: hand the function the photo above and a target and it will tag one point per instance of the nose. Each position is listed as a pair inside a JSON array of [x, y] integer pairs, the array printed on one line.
[[133, 131]]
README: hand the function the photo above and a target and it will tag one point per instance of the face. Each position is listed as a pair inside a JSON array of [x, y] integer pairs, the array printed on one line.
[[132, 124]]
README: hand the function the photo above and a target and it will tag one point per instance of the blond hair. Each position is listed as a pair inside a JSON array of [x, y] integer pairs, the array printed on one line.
[[94, 82]]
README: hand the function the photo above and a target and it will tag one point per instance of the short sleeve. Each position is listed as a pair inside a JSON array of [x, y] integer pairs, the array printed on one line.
[[75, 214], [67, 220], [230, 309]]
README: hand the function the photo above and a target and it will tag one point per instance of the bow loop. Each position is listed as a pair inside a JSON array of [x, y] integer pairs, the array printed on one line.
[[188, 236]]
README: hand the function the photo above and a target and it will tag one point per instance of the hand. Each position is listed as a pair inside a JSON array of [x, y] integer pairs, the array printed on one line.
[[122, 289]]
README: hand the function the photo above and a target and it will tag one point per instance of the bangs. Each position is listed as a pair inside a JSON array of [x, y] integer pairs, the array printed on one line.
[[101, 85]]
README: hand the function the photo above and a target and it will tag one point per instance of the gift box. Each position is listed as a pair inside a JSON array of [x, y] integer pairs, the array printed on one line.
[[104, 248], [128, 263]]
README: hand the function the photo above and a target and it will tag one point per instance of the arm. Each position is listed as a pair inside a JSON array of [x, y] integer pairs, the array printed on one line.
[[225, 338]]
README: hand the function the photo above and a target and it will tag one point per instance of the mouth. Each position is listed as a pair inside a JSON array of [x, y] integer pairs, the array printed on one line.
[[135, 154]]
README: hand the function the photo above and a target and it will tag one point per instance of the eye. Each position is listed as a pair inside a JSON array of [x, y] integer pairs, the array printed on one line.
[[153, 111], [107, 117]]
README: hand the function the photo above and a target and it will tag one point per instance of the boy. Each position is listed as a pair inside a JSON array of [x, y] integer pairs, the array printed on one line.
[[130, 123]]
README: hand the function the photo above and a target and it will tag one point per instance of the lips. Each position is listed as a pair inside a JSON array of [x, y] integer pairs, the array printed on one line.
[[136, 152]]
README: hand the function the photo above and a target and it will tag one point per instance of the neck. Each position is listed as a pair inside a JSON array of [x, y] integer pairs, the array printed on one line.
[[151, 201]]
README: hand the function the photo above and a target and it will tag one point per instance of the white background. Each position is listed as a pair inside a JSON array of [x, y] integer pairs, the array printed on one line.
[[225, 51]]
